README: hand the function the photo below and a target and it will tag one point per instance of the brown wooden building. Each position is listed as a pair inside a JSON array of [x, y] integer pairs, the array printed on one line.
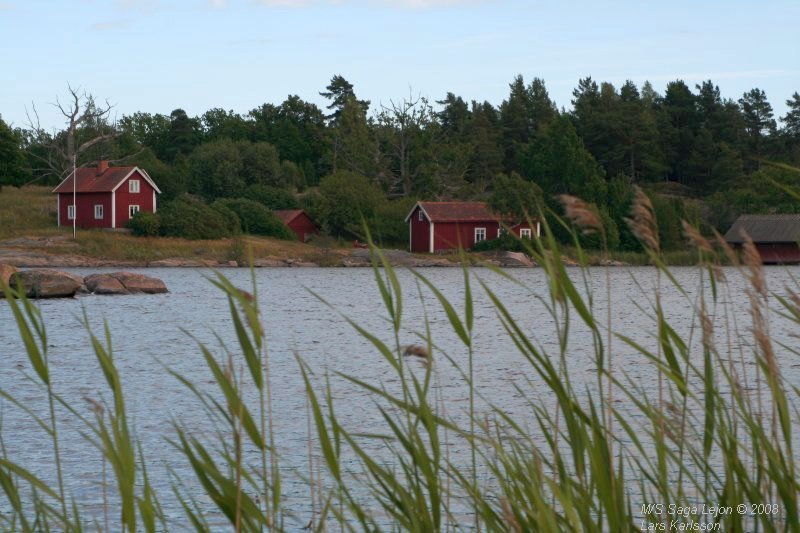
[[776, 236]]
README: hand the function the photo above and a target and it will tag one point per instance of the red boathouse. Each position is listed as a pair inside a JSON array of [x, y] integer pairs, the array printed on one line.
[[776, 237], [439, 226], [299, 222], [105, 197]]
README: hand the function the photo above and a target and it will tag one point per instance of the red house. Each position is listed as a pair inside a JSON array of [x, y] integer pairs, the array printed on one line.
[[106, 197], [437, 226], [776, 237], [299, 222]]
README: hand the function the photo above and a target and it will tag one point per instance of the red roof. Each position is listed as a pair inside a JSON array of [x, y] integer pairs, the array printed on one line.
[[287, 215], [90, 181], [457, 212]]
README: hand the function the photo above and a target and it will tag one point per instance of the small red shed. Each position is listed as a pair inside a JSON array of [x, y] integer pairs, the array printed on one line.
[[776, 237], [105, 197], [299, 222], [437, 226]]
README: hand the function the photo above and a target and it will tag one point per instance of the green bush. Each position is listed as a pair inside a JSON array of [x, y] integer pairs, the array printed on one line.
[[144, 224], [506, 242], [256, 219], [271, 197], [190, 218]]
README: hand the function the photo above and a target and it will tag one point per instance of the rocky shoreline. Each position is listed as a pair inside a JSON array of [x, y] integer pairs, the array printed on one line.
[[23, 258]]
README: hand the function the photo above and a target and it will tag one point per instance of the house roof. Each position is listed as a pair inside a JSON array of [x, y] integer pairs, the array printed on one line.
[[287, 215], [456, 212], [765, 229], [107, 181]]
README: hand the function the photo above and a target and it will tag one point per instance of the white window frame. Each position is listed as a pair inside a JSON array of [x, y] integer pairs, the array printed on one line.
[[71, 212], [98, 211], [132, 210], [420, 216], [134, 186], [480, 235], [525, 233]]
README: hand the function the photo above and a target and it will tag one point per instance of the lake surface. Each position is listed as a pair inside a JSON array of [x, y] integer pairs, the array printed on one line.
[[149, 334]]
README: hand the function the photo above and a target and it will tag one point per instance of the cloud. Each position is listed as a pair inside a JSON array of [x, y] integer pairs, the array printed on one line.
[[396, 4], [425, 4], [724, 75], [218, 3], [285, 3], [108, 26], [7, 6]]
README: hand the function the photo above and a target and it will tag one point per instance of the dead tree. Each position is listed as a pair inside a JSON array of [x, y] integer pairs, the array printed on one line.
[[59, 151]]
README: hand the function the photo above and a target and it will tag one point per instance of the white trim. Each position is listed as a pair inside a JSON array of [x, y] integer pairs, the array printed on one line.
[[430, 244], [418, 204], [130, 212], [113, 209], [144, 174], [538, 229], [58, 210], [141, 171], [138, 186], [410, 236], [483, 231], [154, 201], [71, 207], [525, 233], [100, 211]]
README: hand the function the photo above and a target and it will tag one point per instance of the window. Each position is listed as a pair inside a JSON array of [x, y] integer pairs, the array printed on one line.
[[420, 217], [480, 234], [98, 212], [132, 210], [133, 186], [525, 233], [71, 212]]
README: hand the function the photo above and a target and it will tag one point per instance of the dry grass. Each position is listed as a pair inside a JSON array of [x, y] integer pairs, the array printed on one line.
[[27, 211]]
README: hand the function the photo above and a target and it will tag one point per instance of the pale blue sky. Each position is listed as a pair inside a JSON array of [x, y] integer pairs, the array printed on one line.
[[157, 55]]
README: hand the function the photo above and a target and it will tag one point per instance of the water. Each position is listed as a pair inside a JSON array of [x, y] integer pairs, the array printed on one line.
[[149, 334]]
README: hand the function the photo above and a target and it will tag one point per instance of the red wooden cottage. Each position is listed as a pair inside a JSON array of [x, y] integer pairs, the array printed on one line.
[[776, 237], [106, 197], [438, 226], [299, 222]]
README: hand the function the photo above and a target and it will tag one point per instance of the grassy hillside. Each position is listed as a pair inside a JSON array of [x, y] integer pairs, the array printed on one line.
[[27, 211]]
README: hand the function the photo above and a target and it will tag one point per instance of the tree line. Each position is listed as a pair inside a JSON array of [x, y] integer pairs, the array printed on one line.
[[700, 156]]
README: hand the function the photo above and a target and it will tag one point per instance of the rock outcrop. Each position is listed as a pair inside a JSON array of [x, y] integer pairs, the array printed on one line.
[[104, 284], [47, 283], [139, 283]]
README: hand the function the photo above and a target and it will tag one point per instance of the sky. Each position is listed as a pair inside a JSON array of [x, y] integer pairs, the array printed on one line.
[[158, 55]]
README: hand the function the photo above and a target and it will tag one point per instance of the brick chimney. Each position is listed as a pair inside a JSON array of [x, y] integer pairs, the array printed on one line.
[[102, 166]]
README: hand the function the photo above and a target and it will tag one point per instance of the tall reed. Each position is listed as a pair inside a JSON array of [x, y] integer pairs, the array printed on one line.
[[610, 455]]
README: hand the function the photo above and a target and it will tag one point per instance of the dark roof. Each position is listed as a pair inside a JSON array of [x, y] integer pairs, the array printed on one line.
[[287, 215], [765, 229], [90, 181], [457, 212]]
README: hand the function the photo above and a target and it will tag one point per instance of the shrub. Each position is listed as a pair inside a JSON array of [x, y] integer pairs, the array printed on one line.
[[506, 242], [256, 219], [144, 224], [190, 218], [271, 197]]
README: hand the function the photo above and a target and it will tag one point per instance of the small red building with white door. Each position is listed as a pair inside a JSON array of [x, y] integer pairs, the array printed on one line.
[[299, 222], [105, 197], [440, 226]]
